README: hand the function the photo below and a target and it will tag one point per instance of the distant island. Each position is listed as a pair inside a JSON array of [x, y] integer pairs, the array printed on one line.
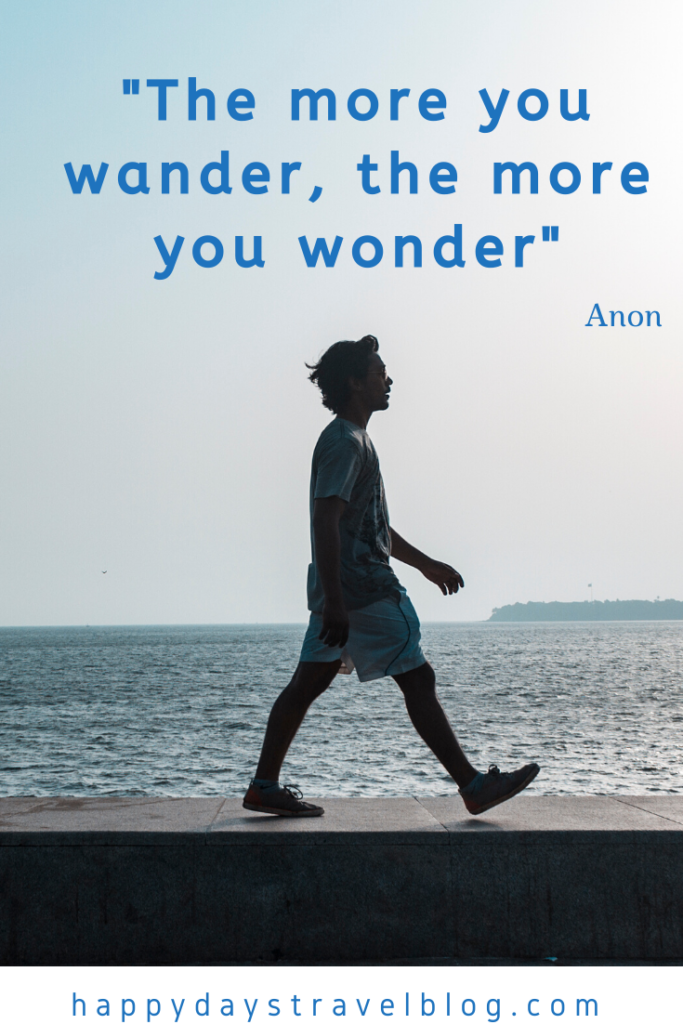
[[587, 611]]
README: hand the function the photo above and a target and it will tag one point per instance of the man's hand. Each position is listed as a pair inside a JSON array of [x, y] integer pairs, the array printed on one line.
[[447, 579], [335, 631]]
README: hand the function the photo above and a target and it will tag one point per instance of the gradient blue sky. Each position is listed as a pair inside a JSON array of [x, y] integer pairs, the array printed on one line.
[[163, 430]]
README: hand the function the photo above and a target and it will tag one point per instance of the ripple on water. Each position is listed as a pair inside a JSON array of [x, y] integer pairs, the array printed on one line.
[[180, 711]]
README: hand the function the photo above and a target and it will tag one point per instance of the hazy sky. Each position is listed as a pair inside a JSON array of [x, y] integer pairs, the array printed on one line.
[[162, 430]]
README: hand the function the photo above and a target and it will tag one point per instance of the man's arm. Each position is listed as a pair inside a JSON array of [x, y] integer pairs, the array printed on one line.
[[447, 579], [326, 515]]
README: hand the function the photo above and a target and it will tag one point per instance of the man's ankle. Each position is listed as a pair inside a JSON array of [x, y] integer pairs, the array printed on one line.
[[468, 778], [265, 783]]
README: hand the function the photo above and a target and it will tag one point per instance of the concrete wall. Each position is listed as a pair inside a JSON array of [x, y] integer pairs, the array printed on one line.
[[112, 881]]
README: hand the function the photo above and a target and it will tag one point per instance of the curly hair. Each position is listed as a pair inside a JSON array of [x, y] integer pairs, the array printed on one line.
[[342, 360]]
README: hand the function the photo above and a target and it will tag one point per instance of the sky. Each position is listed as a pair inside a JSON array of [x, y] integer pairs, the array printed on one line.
[[162, 430]]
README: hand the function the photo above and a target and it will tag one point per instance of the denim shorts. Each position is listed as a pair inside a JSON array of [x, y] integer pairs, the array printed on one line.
[[384, 640]]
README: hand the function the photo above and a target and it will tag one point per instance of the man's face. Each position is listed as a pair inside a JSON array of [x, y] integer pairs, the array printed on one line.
[[374, 388]]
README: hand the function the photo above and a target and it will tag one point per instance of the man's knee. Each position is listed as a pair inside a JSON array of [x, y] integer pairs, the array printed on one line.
[[420, 680], [312, 678]]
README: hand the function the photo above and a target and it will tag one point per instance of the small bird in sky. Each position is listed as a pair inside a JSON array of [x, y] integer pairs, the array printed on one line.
[[103, 570]]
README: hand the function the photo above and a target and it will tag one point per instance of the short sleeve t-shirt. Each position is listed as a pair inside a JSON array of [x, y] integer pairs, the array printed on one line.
[[345, 465]]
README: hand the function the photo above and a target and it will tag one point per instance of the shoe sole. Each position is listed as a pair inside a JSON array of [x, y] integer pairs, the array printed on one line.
[[508, 796], [282, 812]]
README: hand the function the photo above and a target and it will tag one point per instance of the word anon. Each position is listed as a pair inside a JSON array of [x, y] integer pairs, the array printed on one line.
[[635, 318]]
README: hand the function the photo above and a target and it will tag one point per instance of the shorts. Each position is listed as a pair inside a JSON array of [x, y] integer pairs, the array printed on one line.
[[384, 639]]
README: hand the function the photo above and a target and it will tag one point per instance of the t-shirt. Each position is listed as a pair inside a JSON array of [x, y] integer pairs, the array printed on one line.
[[345, 465]]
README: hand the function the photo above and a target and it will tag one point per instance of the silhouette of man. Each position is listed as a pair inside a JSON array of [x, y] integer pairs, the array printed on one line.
[[361, 616]]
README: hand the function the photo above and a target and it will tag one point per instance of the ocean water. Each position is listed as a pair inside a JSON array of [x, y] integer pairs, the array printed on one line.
[[181, 710]]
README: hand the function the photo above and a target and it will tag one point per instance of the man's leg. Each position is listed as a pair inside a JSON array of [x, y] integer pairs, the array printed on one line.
[[429, 718], [310, 680], [480, 792]]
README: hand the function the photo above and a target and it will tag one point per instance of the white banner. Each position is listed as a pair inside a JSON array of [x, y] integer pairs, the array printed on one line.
[[348, 995]]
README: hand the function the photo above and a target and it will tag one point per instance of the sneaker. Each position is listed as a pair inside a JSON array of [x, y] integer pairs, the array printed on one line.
[[277, 799], [486, 791]]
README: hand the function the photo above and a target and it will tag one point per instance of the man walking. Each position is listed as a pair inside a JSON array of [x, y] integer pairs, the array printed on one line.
[[361, 616]]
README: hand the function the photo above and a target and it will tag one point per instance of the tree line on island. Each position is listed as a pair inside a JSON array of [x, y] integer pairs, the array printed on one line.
[[587, 611]]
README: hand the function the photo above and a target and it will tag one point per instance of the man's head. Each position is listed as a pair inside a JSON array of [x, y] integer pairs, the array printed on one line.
[[352, 369]]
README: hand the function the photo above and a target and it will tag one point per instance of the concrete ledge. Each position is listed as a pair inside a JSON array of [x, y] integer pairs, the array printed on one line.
[[160, 881]]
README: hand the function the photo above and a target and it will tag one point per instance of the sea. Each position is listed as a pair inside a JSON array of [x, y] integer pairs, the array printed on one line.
[[181, 710]]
